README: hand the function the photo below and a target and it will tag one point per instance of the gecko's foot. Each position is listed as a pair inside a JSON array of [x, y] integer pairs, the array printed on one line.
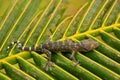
[[48, 66], [77, 62], [72, 57]]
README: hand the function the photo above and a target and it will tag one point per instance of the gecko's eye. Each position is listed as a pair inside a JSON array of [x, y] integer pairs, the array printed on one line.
[[89, 44]]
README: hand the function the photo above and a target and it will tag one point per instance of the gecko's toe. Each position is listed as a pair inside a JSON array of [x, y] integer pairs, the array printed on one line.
[[77, 62], [48, 66]]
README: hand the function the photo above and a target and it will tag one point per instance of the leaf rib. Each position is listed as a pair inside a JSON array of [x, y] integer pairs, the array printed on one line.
[[96, 67], [39, 37], [38, 23], [10, 53], [12, 8], [116, 52], [10, 68], [117, 20], [67, 18], [98, 14], [15, 25], [32, 70], [95, 30], [106, 61], [84, 16], [64, 35], [103, 24]]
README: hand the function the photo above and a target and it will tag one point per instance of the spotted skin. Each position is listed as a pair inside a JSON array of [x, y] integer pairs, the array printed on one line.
[[63, 46]]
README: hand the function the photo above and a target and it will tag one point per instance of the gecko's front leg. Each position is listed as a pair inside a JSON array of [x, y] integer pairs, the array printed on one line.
[[49, 64], [72, 57]]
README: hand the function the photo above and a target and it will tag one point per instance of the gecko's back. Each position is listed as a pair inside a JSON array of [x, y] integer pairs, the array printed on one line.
[[63, 46], [69, 46]]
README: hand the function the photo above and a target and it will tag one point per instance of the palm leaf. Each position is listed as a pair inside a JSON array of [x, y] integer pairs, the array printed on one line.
[[33, 21]]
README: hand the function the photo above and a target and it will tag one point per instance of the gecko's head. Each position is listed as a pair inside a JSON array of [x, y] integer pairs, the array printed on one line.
[[88, 45]]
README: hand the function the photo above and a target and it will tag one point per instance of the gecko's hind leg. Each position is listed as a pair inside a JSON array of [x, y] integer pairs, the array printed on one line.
[[49, 64], [73, 58]]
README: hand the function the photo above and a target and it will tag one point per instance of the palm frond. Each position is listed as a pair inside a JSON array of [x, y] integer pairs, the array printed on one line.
[[33, 21]]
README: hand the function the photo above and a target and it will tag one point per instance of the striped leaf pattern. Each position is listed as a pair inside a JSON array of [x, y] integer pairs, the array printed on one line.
[[33, 21]]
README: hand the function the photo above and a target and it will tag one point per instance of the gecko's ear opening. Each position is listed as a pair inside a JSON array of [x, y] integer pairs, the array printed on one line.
[[89, 44]]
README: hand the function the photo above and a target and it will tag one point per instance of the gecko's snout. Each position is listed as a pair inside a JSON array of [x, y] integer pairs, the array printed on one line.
[[89, 44]]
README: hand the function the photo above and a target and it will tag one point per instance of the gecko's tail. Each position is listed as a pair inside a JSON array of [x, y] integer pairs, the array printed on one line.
[[19, 45], [24, 48]]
